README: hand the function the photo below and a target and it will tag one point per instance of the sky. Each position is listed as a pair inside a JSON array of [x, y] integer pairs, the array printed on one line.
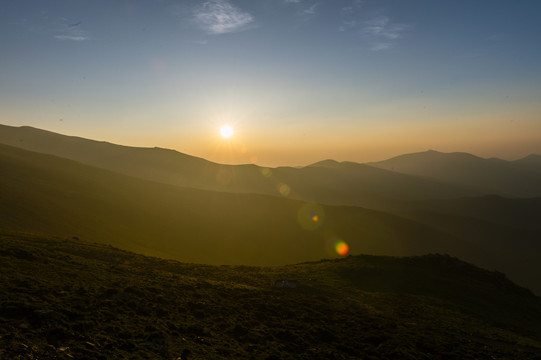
[[299, 81]]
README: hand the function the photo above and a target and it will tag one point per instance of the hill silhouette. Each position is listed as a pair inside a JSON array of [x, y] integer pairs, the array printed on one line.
[[327, 182], [57, 196], [52, 195], [74, 299], [531, 162], [491, 176], [347, 184]]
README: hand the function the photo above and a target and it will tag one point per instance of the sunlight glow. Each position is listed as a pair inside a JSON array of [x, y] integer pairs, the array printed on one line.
[[226, 131]]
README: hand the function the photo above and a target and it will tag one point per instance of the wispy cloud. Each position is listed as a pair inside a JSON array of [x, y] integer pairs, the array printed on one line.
[[348, 24], [311, 10], [66, 29], [352, 8], [59, 28], [381, 46], [200, 42], [221, 17], [382, 27], [350, 15], [71, 37], [292, 1], [382, 32], [378, 31]]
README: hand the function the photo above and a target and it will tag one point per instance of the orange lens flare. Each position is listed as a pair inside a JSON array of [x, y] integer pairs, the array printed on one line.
[[311, 216], [341, 248]]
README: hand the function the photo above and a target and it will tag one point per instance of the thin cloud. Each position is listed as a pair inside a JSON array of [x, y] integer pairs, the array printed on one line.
[[350, 15], [380, 32], [292, 1], [381, 46], [200, 42], [221, 17], [382, 27], [348, 24], [59, 28], [69, 30], [354, 7], [311, 10], [71, 37]]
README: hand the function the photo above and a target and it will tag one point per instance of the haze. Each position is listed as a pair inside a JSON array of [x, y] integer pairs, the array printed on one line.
[[298, 80]]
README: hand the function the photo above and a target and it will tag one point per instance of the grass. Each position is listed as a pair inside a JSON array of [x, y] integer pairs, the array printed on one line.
[[66, 298]]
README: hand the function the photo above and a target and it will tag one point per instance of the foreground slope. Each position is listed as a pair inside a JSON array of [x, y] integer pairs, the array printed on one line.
[[58, 196], [65, 299]]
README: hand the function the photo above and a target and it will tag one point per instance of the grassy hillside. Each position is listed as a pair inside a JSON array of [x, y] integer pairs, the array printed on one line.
[[65, 299]]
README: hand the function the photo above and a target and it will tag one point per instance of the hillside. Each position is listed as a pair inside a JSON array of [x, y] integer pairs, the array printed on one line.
[[491, 176], [57, 196], [358, 185], [326, 182], [68, 299], [52, 195], [531, 162]]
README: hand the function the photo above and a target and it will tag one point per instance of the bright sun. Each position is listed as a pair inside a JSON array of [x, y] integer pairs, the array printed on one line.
[[226, 131]]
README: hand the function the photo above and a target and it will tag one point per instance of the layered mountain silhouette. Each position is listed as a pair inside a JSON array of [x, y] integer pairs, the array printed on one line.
[[520, 178], [344, 185], [164, 203], [47, 194]]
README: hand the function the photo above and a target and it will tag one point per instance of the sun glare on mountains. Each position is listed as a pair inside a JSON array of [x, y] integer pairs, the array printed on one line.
[[272, 179]]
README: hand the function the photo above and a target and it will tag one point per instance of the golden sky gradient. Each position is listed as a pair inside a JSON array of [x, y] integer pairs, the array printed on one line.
[[300, 81]]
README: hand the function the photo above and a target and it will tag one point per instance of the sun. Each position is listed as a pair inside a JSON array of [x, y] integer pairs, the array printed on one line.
[[226, 131]]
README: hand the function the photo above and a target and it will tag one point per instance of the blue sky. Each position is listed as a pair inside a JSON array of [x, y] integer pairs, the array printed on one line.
[[299, 81]]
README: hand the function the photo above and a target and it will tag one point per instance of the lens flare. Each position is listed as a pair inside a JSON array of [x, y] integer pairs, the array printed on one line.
[[266, 172], [284, 189], [310, 216], [341, 248]]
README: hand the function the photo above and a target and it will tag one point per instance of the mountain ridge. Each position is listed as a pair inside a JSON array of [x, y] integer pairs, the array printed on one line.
[[333, 186], [397, 201], [496, 176], [131, 212], [58, 196]]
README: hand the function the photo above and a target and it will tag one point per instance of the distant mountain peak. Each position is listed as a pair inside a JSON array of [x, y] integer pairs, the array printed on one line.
[[330, 163], [432, 155], [532, 157]]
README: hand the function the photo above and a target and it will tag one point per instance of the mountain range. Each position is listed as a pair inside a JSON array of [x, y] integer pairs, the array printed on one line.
[[165, 203]]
